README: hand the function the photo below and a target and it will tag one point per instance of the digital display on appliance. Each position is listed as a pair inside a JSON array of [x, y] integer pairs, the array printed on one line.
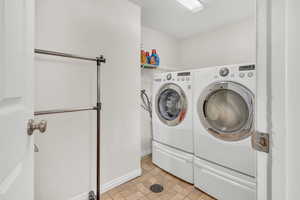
[[184, 74], [247, 67]]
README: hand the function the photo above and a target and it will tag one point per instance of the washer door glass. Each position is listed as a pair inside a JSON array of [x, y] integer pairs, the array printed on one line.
[[226, 111], [171, 104]]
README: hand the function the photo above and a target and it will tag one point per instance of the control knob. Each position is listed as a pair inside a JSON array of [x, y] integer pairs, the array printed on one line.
[[224, 71]]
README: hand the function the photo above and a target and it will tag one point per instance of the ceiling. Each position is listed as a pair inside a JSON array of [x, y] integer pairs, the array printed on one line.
[[171, 17]]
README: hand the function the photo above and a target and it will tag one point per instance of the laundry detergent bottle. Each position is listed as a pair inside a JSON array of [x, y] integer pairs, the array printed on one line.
[[143, 57], [154, 58], [148, 57]]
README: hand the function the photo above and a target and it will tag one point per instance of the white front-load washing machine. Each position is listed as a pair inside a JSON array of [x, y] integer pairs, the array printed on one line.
[[223, 122], [172, 148]]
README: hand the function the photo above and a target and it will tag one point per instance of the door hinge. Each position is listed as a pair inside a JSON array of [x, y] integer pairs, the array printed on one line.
[[261, 142]]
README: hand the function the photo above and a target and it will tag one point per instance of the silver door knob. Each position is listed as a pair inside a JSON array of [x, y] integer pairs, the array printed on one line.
[[33, 125]]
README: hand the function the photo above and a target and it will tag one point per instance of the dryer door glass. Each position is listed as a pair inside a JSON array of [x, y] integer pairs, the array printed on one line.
[[171, 104], [226, 111]]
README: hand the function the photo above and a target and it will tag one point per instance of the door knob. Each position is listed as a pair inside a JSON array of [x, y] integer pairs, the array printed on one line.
[[33, 125]]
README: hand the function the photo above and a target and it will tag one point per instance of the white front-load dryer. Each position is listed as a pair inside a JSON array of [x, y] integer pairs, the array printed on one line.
[[223, 122], [173, 123]]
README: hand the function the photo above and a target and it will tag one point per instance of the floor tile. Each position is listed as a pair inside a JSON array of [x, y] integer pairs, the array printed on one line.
[[139, 188]]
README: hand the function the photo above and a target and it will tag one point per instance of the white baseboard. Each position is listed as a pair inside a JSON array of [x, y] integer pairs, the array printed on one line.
[[146, 152], [118, 181], [112, 184]]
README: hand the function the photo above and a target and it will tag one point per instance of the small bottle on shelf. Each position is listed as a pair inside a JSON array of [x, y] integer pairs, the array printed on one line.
[[143, 57], [154, 58], [148, 57]]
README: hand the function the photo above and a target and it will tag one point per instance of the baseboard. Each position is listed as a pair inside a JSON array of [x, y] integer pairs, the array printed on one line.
[[118, 181], [112, 184], [146, 152]]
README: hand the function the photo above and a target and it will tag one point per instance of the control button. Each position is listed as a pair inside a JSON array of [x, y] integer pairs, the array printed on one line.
[[178, 79], [232, 75], [182, 79], [187, 78], [250, 74], [242, 75], [224, 71], [169, 77]]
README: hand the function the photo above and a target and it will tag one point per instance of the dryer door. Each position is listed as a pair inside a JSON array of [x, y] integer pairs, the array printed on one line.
[[171, 104], [226, 110]]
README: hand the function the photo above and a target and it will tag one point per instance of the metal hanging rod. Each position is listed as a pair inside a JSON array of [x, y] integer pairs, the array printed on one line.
[[98, 60], [67, 55], [57, 111]]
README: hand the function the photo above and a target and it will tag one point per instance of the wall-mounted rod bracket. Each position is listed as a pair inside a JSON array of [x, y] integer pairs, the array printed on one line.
[[100, 60]]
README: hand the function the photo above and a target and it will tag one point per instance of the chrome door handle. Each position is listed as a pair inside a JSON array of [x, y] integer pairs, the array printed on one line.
[[33, 125]]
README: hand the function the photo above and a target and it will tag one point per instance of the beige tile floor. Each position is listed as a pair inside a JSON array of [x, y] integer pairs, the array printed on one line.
[[138, 189]]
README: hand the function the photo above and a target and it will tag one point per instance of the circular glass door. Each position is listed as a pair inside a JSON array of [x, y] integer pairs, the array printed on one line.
[[171, 104], [226, 111]]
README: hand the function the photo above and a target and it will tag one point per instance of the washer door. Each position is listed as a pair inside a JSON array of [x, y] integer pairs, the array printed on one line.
[[226, 111], [171, 104]]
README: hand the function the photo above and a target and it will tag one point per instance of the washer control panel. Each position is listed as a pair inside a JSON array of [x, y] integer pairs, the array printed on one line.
[[177, 76], [173, 76]]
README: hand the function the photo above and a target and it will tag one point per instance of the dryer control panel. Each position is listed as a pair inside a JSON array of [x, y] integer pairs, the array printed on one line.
[[242, 71], [246, 70]]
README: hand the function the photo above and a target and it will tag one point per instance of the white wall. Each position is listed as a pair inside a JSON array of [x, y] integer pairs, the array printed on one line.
[[167, 46], [65, 165], [146, 136], [233, 43], [168, 49]]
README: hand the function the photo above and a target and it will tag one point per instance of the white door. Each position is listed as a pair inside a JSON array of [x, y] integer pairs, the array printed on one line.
[[16, 99], [262, 19]]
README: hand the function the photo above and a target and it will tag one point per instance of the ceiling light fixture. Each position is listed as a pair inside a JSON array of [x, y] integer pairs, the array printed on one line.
[[192, 5]]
